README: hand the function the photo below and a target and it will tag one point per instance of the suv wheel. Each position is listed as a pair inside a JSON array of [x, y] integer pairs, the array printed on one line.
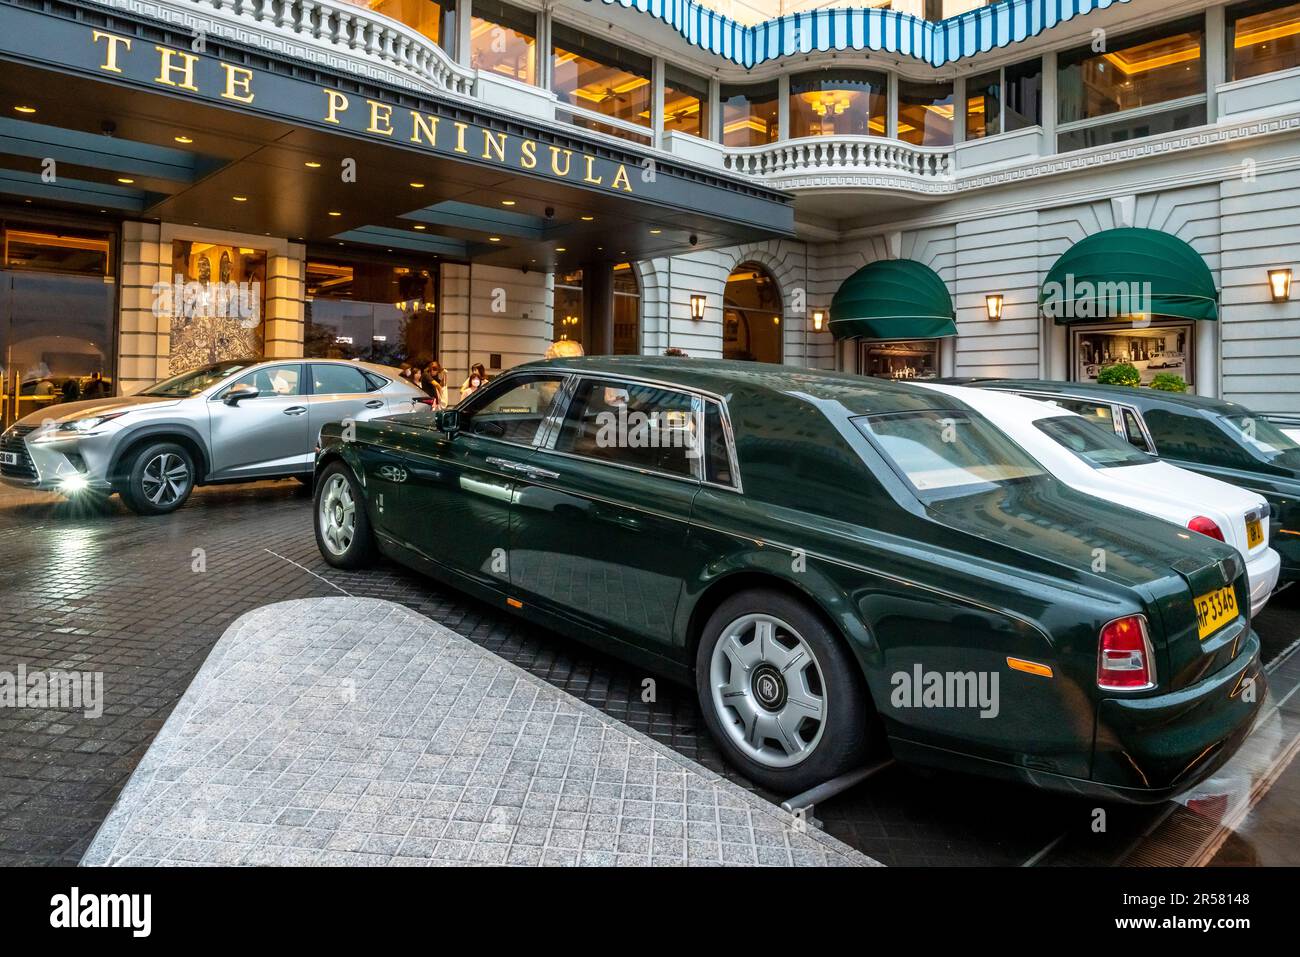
[[343, 532], [160, 479], [781, 695]]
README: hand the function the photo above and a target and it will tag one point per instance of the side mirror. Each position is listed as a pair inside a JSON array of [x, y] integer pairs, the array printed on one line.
[[237, 393], [447, 420]]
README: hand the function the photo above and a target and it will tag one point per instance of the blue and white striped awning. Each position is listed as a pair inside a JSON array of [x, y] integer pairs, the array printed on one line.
[[987, 28]]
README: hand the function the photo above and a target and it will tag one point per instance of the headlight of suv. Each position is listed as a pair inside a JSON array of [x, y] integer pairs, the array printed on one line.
[[76, 427]]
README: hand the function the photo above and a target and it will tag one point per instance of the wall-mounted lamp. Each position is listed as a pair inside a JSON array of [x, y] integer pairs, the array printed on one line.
[[993, 305], [698, 302], [818, 320], [1279, 284]]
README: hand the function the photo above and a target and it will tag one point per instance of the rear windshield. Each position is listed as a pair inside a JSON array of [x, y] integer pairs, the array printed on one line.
[[944, 453], [1097, 445], [1265, 439]]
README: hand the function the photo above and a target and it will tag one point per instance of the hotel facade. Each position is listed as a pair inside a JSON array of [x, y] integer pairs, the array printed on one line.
[[1034, 188]]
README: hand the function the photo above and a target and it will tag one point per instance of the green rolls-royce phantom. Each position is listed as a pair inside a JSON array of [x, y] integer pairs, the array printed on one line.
[[838, 565]]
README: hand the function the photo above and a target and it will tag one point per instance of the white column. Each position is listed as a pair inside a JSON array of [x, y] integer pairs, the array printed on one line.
[[783, 105], [959, 110], [657, 100], [1215, 60], [464, 15], [715, 110], [1049, 102], [891, 121]]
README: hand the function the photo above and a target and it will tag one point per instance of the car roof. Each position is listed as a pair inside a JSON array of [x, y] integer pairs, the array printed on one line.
[[856, 395], [387, 372], [1142, 397], [994, 402]]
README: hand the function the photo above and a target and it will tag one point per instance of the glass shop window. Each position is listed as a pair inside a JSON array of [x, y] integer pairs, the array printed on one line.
[[686, 103], [925, 113], [1148, 68], [1022, 91], [1262, 38], [984, 105], [503, 39], [915, 359], [598, 76]]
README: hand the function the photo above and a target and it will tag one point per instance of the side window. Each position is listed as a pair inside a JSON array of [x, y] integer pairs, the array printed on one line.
[[329, 379], [273, 380], [717, 460], [1100, 413], [1133, 431], [642, 426], [512, 411]]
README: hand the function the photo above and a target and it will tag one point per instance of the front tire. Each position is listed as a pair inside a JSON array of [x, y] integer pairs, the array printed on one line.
[[343, 532], [160, 479], [781, 695]]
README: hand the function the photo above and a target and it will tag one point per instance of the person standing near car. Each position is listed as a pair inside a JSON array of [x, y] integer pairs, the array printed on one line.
[[435, 384], [476, 380]]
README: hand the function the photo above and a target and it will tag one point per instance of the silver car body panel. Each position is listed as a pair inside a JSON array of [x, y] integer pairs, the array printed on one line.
[[264, 437]]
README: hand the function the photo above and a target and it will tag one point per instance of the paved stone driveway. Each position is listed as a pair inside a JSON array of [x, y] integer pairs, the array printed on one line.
[[353, 731]]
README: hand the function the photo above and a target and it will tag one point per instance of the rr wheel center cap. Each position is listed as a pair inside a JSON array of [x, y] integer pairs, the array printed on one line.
[[769, 687]]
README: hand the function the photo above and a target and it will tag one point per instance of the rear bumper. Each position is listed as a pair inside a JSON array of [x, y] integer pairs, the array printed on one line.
[[1262, 572], [1162, 745]]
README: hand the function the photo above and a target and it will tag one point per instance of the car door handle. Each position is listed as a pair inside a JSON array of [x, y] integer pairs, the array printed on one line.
[[532, 471], [375, 404], [295, 410], [505, 464]]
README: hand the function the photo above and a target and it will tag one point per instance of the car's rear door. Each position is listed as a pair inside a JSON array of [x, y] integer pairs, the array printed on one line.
[[602, 509], [340, 391]]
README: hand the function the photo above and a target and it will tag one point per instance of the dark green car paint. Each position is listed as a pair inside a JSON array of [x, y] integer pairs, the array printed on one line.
[[634, 562], [1233, 462]]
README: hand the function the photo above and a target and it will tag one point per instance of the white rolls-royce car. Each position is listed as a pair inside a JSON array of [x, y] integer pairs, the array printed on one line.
[[1098, 462]]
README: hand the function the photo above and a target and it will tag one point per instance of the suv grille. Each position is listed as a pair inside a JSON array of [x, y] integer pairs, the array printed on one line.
[[12, 441]]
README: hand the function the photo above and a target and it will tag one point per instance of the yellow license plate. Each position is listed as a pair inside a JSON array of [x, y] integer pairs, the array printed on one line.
[[1215, 609], [1254, 532]]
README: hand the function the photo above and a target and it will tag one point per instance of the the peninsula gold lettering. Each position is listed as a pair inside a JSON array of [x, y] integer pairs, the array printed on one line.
[[179, 70]]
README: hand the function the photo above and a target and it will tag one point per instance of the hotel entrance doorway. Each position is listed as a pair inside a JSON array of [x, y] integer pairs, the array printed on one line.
[[57, 302]]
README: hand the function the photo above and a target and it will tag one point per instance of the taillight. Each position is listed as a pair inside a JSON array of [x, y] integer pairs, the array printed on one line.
[[1206, 526], [1124, 656]]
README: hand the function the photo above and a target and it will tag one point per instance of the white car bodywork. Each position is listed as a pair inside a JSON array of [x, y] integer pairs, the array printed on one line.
[[1152, 486]]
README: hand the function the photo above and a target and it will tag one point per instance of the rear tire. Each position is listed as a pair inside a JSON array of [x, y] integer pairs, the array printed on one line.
[[160, 479], [343, 532], [782, 696]]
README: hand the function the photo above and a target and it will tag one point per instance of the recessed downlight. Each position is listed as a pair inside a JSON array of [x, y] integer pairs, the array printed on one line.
[[24, 108], [587, 219], [418, 226], [311, 164], [335, 212], [417, 185], [560, 249], [125, 180], [655, 232], [240, 199], [507, 202], [183, 139], [494, 239]]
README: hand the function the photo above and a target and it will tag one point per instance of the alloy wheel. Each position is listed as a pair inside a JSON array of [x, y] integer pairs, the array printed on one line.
[[768, 690], [338, 514], [165, 479]]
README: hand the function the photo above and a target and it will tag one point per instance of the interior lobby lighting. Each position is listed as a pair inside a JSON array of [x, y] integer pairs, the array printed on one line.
[[698, 302], [561, 249], [993, 305], [24, 108], [587, 219], [1279, 284]]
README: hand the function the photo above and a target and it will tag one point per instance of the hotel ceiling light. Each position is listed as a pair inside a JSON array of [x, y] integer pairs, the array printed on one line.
[[311, 164], [1279, 284], [993, 305], [183, 140], [24, 108], [698, 302]]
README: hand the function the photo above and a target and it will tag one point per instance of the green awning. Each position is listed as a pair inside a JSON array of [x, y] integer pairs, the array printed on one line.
[[893, 299], [1126, 273]]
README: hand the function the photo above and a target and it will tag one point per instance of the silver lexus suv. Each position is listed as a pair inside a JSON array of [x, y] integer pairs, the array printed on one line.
[[228, 422]]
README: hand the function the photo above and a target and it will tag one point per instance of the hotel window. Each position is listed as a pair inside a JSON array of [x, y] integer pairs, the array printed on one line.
[[432, 19], [984, 105], [925, 113], [1263, 38], [1160, 347], [686, 103], [378, 312], [838, 102], [627, 311], [912, 359], [600, 77], [1141, 71], [568, 307], [1022, 92], [750, 114], [503, 39]]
